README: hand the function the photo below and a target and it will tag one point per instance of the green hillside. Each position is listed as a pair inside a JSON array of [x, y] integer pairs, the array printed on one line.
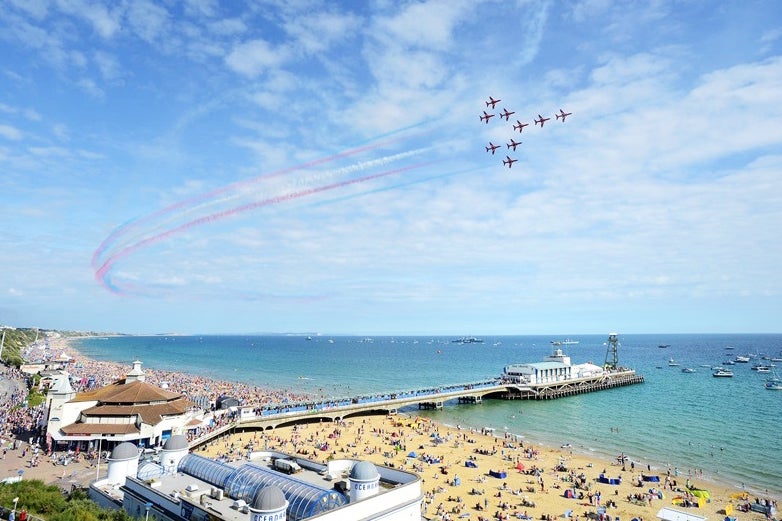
[[15, 342]]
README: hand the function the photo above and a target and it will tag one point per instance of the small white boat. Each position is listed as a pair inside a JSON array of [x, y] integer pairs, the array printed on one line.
[[774, 383], [688, 370], [722, 373], [672, 363], [742, 359]]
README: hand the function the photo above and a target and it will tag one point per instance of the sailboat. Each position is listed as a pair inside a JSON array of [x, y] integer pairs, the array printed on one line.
[[774, 383]]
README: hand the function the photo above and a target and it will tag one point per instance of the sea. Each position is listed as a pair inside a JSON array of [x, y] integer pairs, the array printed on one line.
[[728, 429]]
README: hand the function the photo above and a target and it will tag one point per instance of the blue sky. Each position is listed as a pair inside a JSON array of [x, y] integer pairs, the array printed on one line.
[[212, 167]]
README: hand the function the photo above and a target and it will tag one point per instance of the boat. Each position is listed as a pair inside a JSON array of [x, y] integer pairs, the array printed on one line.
[[467, 340], [761, 368], [722, 373], [672, 363], [741, 359], [688, 370], [663, 346], [566, 342], [774, 383]]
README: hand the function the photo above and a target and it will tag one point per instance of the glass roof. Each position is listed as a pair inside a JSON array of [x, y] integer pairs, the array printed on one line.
[[244, 482]]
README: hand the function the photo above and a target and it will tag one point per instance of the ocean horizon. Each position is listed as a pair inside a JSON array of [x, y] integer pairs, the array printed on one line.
[[726, 427]]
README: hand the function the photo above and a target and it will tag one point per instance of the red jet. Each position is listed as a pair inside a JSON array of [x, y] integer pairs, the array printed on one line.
[[541, 120], [508, 161], [505, 114], [486, 117], [520, 126], [492, 147], [492, 102], [562, 114]]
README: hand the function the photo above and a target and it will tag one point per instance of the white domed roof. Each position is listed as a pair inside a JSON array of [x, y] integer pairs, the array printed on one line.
[[364, 471], [176, 442], [269, 499], [125, 450]]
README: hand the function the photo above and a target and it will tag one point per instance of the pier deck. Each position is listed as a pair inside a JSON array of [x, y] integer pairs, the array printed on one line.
[[278, 415]]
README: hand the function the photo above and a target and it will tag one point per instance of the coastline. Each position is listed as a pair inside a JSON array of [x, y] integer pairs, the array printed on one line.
[[582, 457], [261, 395]]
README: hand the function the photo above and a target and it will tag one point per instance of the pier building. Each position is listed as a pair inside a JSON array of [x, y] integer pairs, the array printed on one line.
[[554, 368]]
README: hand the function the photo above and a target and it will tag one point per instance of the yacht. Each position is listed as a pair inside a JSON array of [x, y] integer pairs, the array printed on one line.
[[722, 373], [672, 363]]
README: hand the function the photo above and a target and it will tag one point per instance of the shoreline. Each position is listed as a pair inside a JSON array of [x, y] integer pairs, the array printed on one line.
[[602, 457]]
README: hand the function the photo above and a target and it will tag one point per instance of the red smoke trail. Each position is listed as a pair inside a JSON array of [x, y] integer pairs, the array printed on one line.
[[121, 230], [101, 275]]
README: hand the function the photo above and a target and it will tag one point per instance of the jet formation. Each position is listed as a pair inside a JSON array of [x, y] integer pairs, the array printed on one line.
[[506, 114]]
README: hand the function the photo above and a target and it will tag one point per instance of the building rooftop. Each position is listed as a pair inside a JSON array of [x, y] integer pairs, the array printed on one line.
[[228, 489]]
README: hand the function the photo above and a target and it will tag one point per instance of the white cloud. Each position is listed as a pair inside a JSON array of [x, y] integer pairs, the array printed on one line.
[[228, 26], [148, 20], [108, 65], [429, 25], [316, 32], [255, 57], [11, 133]]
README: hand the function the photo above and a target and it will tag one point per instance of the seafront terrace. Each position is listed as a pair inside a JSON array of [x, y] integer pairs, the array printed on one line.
[[282, 414]]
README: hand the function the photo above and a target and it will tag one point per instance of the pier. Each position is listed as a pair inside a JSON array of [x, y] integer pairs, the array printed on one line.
[[283, 414]]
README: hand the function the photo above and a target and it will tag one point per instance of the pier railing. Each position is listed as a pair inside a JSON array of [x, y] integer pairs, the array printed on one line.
[[276, 415]]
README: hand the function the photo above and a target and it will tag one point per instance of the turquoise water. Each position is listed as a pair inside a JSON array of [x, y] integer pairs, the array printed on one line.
[[729, 427]]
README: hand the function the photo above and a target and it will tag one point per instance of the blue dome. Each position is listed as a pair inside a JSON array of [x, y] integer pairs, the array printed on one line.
[[269, 499], [364, 471]]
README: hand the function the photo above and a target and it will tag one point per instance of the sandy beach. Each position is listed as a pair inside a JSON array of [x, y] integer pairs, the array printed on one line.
[[456, 466], [536, 480]]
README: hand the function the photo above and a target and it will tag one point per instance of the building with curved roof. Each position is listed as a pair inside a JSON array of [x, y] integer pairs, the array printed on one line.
[[246, 481], [206, 489], [128, 409]]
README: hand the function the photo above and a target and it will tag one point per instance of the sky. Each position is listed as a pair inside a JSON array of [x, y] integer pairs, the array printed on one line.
[[206, 167]]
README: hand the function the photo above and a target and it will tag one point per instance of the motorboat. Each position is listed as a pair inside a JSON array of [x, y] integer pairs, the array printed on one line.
[[688, 370], [722, 373], [672, 363], [761, 368], [741, 359]]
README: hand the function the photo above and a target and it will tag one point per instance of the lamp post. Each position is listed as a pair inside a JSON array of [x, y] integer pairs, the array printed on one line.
[[147, 507], [16, 500], [97, 466]]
